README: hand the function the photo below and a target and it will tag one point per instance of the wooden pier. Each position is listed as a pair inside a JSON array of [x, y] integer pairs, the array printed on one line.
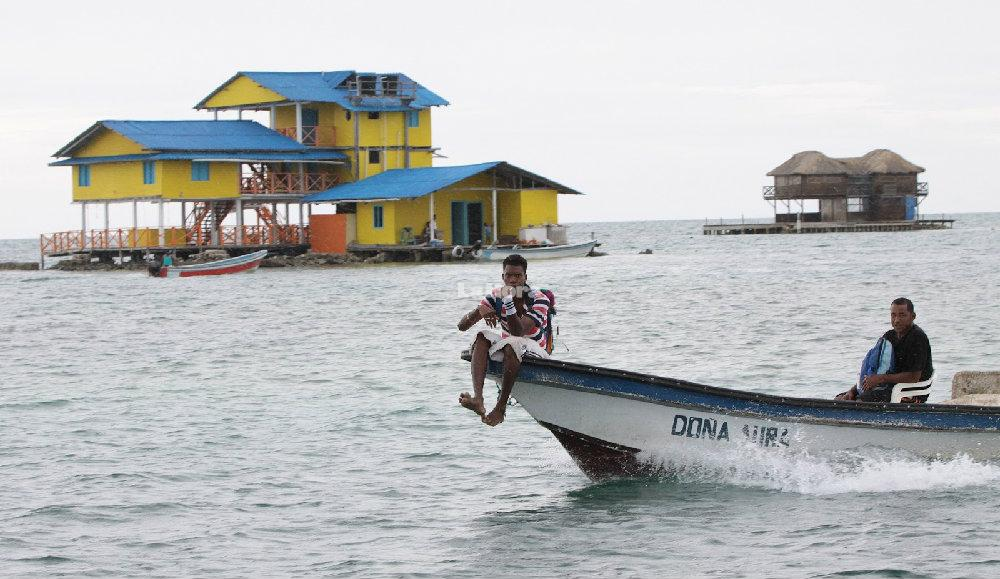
[[395, 253], [824, 227]]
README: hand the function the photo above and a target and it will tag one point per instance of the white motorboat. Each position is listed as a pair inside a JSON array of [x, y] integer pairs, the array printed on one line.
[[616, 423]]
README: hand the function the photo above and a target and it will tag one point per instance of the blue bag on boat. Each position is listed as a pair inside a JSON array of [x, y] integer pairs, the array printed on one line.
[[879, 360]]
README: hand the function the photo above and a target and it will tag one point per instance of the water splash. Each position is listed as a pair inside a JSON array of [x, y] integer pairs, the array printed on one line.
[[864, 470]]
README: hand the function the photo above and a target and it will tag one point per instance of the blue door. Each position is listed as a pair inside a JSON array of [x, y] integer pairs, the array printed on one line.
[[310, 120], [911, 207], [466, 222], [459, 223]]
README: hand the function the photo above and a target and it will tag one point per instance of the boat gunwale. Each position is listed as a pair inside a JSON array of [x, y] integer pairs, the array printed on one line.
[[539, 248], [757, 397], [227, 262]]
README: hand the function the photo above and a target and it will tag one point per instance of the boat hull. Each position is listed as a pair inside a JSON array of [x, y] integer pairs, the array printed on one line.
[[616, 423], [540, 252], [239, 264]]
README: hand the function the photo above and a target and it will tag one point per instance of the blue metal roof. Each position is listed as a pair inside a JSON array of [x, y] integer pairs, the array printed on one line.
[[331, 87], [192, 136], [203, 135], [417, 182], [312, 155]]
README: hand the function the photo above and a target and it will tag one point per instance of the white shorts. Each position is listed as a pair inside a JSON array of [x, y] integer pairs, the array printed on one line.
[[520, 345]]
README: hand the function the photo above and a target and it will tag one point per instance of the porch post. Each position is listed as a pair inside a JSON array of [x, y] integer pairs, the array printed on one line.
[[430, 220], [135, 223], [106, 220], [215, 115], [298, 122], [83, 225], [496, 226], [274, 117], [162, 238], [302, 225], [274, 223], [212, 212], [239, 113], [239, 221]]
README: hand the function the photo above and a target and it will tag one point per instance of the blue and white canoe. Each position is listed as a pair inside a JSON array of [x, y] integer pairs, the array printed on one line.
[[532, 252], [616, 423]]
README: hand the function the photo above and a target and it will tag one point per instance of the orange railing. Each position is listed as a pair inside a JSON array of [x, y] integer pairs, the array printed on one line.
[[287, 183], [313, 136], [65, 242]]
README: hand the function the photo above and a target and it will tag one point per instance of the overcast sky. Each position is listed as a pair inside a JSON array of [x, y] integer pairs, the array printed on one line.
[[656, 110]]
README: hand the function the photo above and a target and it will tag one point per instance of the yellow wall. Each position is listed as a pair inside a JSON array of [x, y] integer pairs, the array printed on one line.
[[106, 143], [509, 212], [343, 128], [539, 206], [116, 181], [223, 181], [336, 130], [515, 209], [243, 91], [412, 213], [173, 181], [367, 233], [387, 130], [150, 237]]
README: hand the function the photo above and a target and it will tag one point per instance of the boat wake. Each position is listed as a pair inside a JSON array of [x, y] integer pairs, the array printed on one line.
[[873, 470]]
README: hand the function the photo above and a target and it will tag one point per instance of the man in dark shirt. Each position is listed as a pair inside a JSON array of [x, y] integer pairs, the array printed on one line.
[[911, 350]]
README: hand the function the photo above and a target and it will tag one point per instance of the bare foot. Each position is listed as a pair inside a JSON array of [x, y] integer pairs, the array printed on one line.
[[474, 404], [494, 418]]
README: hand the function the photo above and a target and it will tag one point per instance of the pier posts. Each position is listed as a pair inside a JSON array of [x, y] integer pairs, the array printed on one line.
[[161, 237], [496, 227], [83, 225], [302, 225], [239, 221], [430, 219]]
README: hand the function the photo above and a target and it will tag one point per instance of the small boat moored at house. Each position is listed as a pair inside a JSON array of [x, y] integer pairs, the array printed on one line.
[[531, 252], [616, 423], [240, 263]]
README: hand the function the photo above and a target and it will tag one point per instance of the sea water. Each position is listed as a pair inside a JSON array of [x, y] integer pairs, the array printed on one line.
[[305, 422]]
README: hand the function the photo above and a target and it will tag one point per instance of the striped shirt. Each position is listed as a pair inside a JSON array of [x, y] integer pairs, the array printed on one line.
[[536, 307]]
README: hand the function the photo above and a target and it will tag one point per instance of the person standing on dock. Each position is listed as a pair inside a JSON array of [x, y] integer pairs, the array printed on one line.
[[523, 315]]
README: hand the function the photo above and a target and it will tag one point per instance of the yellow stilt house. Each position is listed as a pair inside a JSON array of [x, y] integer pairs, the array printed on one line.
[[210, 168], [487, 203], [360, 141], [379, 120]]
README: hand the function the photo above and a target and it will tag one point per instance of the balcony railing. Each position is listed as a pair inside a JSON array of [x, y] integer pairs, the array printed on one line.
[[313, 136], [852, 190], [287, 183], [66, 242]]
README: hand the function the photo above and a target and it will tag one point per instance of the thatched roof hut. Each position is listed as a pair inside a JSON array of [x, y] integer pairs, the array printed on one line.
[[881, 161]]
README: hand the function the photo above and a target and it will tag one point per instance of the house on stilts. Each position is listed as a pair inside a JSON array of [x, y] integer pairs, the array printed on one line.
[[345, 163], [814, 193]]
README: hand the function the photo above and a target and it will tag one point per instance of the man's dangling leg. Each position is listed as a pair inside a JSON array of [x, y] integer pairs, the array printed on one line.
[[480, 358], [511, 367]]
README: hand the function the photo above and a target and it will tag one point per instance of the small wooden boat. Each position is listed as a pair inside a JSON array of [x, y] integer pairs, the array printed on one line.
[[532, 252], [240, 263], [618, 423]]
